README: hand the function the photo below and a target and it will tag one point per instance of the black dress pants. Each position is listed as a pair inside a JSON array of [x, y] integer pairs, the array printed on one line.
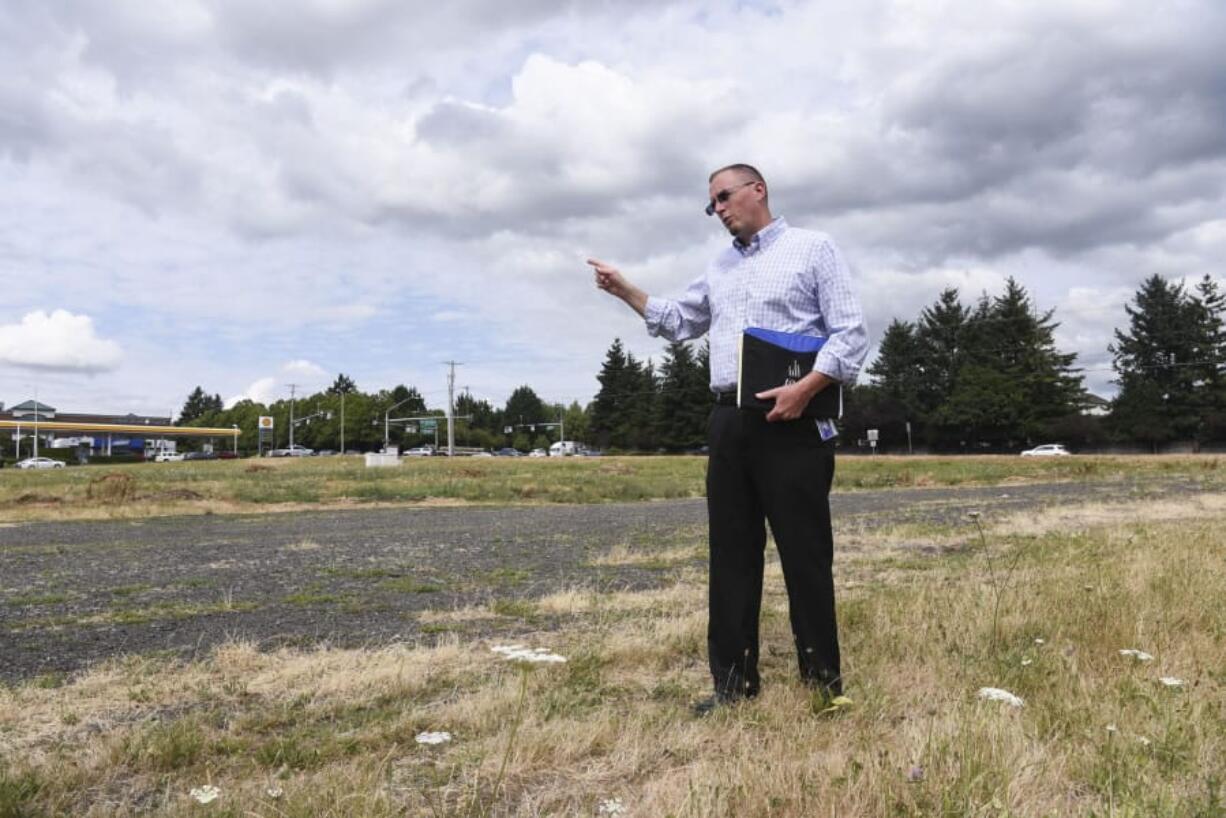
[[780, 473]]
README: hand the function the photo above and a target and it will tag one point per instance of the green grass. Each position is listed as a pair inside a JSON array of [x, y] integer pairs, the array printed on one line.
[[233, 486]]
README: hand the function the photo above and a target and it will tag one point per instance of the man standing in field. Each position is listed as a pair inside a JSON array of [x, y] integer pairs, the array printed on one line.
[[764, 466]]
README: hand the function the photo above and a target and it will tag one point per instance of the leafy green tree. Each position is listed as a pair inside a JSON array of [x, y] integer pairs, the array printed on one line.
[[524, 406], [576, 423]]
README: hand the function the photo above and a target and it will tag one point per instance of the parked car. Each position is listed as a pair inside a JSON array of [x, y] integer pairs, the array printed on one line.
[[39, 463], [589, 453], [420, 451], [299, 451], [200, 456], [508, 452], [168, 457], [564, 447], [482, 454], [1047, 450], [538, 453]]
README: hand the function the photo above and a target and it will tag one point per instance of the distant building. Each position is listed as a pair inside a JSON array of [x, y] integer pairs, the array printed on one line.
[[30, 412], [1096, 406]]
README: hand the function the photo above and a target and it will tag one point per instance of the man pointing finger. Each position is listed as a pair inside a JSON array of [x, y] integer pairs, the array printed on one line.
[[773, 467]]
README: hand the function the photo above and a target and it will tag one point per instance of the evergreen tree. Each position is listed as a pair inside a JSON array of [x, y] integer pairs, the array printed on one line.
[[198, 404], [610, 399], [939, 337], [483, 415], [1209, 310], [638, 428], [896, 371], [343, 385], [1020, 345], [684, 401], [1155, 363]]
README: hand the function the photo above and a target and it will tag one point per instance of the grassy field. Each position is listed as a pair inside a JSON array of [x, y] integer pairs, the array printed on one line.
[[289, 484], [1039, 605]]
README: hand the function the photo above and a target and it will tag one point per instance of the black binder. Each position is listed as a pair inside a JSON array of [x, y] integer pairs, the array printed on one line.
[[769, 358]]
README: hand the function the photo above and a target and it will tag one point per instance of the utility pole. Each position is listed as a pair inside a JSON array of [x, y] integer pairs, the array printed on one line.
[[292, 388], [343, 421], [451, 407]]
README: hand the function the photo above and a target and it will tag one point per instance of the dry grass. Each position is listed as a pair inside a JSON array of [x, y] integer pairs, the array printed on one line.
[[333, 730], [296, 484]]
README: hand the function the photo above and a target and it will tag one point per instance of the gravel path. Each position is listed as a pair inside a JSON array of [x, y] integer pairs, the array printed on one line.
[[72, 593]]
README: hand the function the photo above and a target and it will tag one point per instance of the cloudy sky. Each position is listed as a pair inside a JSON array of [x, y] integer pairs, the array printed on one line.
[[244, 196]]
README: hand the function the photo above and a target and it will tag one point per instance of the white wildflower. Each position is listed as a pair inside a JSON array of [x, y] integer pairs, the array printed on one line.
[[1139, 655], [1171, 681], [995, 694], [1026, 662], [441, 737], [611, 806], [274, 792], [1111, 728], [206, 794], [1144, 741], [1040, 641], [519, 653]]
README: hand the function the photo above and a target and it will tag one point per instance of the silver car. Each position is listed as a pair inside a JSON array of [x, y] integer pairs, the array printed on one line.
[[39, 463], [1047, 450]]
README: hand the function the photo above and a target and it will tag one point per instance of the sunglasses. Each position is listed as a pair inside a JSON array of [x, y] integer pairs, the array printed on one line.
[[726, 194]]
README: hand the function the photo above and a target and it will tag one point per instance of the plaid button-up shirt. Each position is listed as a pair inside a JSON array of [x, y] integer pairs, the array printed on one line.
[[785, 279]]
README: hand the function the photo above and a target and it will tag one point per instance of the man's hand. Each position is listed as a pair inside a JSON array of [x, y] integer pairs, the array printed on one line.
[[792, 399], [610, 279]]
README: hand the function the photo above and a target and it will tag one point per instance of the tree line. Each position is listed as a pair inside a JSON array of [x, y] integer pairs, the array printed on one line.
[[985, 376], [317, 419], [989, 376]]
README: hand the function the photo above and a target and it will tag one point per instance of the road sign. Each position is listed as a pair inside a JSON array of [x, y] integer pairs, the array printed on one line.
[[428, 426]]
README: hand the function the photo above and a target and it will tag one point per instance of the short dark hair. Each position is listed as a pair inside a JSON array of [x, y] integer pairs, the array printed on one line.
[[743, 169]]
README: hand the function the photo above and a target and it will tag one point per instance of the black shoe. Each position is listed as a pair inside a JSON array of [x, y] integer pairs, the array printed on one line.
[[707, 706]]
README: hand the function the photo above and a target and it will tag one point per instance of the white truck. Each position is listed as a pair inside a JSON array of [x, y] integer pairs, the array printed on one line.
[[565, 447]]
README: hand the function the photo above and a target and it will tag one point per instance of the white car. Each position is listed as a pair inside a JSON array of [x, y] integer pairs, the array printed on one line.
[[419, 451], [168, 457], [39, 463], [1047, 450]]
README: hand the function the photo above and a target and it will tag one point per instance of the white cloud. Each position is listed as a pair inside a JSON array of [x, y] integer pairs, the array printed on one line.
[[342, 182], [305, 369], [264, 390], [58, 341]]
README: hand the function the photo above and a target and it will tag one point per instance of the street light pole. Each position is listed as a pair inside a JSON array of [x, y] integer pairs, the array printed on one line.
[[342, 422], [292, 387], [386, 422]]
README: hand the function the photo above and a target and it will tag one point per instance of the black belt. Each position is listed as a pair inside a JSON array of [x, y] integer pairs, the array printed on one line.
[[725, 398]]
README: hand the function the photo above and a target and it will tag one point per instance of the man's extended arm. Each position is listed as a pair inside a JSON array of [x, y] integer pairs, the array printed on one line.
[[680, 319], [610, 279]]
